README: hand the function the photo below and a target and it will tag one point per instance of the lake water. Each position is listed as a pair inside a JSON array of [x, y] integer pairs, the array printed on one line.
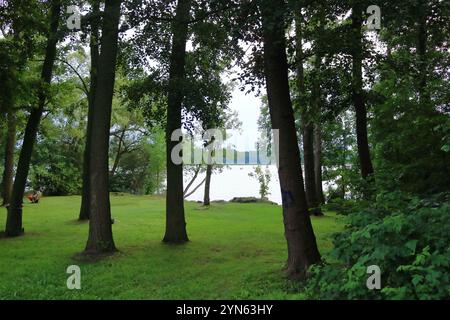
[[235, 182]]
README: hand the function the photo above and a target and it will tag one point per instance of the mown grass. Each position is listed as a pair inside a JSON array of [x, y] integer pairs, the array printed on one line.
[[236, 252]]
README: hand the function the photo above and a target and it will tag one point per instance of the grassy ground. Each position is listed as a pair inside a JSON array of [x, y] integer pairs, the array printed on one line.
[[236, 252]]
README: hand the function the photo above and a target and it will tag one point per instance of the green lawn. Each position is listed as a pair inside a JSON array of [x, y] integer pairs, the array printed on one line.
[[236, 252]]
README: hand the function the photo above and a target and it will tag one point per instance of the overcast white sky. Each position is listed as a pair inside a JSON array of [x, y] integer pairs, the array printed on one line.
[[248, 108]]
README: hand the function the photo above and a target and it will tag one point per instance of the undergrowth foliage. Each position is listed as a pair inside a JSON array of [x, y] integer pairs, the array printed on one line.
[[407, 237]]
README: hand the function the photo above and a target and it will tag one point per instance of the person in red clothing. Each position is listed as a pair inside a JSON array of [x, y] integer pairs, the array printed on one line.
[[34, 197]]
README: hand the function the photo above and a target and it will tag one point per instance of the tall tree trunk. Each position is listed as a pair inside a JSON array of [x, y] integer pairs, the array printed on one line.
[[8, 172], [358, 95], [175, 220], [100, 225], [422, 55], [94, 48], [206, 201], [317, 106], [307, 125], [14, 217], [301, 241], [318, 162], [317, 136]]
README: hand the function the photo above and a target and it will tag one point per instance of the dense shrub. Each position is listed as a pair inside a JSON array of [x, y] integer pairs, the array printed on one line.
[[407, 237]]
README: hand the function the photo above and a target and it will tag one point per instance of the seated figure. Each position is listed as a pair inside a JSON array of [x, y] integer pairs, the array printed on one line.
[[35, 196]]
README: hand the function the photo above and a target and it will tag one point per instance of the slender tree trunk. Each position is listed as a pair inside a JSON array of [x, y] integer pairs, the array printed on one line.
[[118, 154], [8, 172], [318, 162], [206, 201], [157, 182], [422, 55], [14, 217], [100, 225], [301, 241], [195, 189], [358, 95], [175, 220], [307, 126], [94, 48], [344, 157], [196, 172], [310, 175]]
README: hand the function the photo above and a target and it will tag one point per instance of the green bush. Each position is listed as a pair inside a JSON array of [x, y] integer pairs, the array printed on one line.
[[342, 206], [407, 237]]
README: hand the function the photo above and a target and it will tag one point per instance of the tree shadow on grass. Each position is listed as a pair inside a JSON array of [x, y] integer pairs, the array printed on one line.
[[89, 257], [77, 222], [202, 208], [4, 237]]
